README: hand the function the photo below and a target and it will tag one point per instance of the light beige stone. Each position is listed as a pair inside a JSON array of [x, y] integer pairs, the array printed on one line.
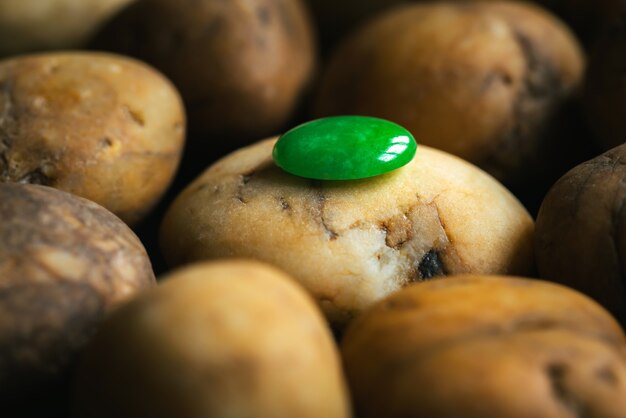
[[351, 243]]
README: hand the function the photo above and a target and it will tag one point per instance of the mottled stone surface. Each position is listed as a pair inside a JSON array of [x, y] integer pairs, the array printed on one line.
[[101, 126], [351, 242], [64, 262]]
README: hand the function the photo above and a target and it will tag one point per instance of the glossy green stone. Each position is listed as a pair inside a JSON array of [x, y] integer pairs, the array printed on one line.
[[344, 148]]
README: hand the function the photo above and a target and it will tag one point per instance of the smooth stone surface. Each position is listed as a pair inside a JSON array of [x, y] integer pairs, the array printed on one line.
[[344, 148]]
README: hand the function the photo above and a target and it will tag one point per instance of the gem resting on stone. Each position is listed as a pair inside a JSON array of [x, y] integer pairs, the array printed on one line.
[[344, 148]]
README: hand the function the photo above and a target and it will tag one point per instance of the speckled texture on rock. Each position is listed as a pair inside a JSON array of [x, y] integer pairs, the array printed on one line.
[[351, 242], [64, 263], [101, 126]]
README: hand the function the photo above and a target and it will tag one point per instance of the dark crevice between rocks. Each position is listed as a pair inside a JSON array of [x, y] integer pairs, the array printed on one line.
[[6, 94], [556, 374], [617, 217], [36, 176]]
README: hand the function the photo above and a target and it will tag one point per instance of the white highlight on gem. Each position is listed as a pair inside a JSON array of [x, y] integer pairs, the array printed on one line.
[[400, 144]]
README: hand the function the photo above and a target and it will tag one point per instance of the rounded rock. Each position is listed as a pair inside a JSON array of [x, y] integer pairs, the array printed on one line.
[[226, 339], [104, 127], [489, 82], [64, 263], [351, 242], [465, 345]]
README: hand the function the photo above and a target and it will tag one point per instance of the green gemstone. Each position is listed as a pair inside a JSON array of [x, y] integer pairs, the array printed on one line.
[[344, 148]]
